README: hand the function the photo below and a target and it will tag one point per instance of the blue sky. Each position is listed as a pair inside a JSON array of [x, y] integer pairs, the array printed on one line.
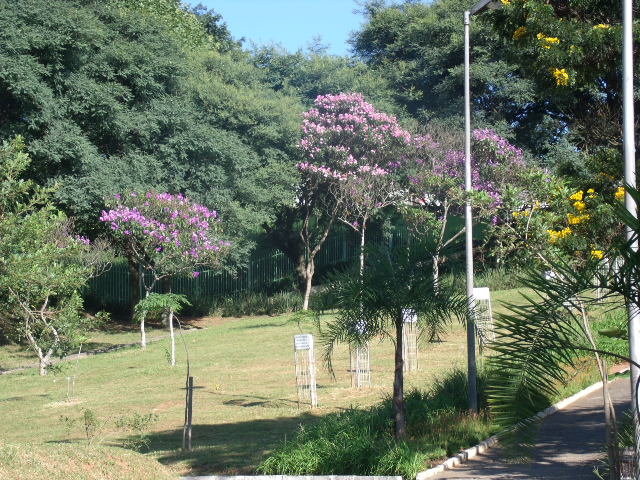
[[291, 23]]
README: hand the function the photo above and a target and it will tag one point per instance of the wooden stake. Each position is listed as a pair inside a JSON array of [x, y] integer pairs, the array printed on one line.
[[186, 432]]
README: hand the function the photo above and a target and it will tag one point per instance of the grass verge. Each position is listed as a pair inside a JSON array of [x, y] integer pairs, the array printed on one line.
[[76, 462]]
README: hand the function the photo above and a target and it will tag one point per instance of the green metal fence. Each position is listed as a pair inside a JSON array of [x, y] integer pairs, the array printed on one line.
[[112, 290]]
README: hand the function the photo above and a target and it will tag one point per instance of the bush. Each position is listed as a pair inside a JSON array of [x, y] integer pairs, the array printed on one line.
[[255, 303], [360, 441]]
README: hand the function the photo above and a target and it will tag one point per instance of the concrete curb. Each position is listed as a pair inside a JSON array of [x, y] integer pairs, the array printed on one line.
[[485, 445], [289, 477]]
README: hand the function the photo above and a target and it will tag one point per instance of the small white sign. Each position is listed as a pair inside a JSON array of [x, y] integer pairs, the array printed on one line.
[[303, 342], [409, 316]]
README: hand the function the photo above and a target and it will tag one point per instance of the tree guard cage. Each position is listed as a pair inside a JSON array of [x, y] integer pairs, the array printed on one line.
[[483, 316], [410, 340], [360, 365], [305, 360]]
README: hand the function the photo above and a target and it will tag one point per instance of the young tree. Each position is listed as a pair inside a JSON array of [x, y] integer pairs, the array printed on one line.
[[352, 156], [166, 235], [42, 264], [396, 281]]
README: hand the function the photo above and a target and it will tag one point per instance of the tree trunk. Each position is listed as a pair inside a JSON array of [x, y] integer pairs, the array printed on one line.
[[308, 271], [436, 271], [143, 333], [134, 287], [43, 359], [399, 408], [44, 363], [362, 232], [173, 339]]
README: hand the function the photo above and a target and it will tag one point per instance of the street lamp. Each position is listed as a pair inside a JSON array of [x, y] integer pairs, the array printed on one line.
[[472, 371], [629, 145]]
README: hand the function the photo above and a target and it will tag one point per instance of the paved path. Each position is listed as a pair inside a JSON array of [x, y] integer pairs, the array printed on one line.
[[569, 445]]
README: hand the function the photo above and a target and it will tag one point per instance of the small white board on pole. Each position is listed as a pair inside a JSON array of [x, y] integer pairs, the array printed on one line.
[[305, 361], [484, 315]]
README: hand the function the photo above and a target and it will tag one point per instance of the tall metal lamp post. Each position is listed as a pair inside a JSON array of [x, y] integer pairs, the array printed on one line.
[[472, 370], [629, 144]]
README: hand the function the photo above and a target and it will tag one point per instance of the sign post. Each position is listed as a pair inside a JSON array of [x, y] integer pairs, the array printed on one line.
[[305, 360]]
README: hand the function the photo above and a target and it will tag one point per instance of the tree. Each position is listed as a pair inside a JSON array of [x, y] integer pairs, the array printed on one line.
[[167, 235], [352, 153], [43, 266], [418, 48], [571, 51], [109, 99], [505, 184], [397, 281], [161, 304]]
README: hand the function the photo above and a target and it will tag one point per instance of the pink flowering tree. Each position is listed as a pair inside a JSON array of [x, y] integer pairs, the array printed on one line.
[[166, 235], [352, 157]]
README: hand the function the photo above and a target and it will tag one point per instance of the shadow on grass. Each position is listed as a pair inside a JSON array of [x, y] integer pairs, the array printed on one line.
[[232, 448], [261, 325]]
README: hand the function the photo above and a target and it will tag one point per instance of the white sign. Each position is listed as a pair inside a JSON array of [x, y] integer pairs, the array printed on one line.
[[409, 316], [303, 342]]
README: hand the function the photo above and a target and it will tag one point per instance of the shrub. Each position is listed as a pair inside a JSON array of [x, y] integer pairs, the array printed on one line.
[[258, 303], [360, 441]]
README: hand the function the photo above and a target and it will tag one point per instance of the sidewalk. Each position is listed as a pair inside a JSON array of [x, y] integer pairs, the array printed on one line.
[[570, 444]]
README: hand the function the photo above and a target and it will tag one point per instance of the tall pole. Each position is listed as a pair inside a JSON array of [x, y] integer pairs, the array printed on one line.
[[471, 324], [628, 122]]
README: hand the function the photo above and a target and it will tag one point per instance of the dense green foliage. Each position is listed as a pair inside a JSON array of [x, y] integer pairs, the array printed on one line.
[[572, 52], [42, 265], [108, 99], [418, 47], [361, 442]]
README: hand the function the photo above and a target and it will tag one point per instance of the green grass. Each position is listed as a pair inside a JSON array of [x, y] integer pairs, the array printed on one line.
[[76, 462], [18, 356], [245, 404]]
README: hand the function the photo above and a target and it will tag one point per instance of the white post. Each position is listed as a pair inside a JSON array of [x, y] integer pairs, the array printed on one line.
[[471, 327], [630, 179]]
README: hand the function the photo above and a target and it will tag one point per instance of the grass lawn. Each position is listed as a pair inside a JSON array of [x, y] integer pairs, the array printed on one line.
[[245, 403]]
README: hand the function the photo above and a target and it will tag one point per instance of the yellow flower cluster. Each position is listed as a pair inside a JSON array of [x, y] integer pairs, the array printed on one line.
[[555, 235], [620, 193], [520, 31], [517, 214], [576, 219], [599, 254], [547, 42], [591, 193], [506, 2], [603, 26], [577, 196], [561, 76]]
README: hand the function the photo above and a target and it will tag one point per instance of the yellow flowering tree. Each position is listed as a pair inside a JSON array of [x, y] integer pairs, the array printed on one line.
[[571, 50], [587, 227]]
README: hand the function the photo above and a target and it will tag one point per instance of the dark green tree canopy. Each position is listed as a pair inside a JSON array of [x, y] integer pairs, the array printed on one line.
[[109, 97], [419, 48]]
